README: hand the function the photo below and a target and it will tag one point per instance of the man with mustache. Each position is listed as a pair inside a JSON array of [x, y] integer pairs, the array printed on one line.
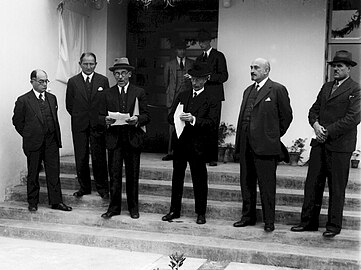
[[334, 117], [264, 118]]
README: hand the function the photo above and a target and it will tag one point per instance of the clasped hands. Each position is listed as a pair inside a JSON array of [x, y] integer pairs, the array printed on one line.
[[321, 132], [186, 117], [131, 121]]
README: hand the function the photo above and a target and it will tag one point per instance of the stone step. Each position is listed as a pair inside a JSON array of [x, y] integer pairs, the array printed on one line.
[[158, 204], [215, 240], [290, 197], [289, 177]]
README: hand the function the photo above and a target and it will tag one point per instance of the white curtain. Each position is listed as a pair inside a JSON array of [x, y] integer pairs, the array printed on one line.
[[72, 43]]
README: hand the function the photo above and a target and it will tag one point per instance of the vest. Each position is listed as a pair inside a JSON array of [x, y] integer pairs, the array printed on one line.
[[249, 106], [49, 126]]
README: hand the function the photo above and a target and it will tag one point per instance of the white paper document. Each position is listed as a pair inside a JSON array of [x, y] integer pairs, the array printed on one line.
[[178, 123], [119, 118], [136, 112]]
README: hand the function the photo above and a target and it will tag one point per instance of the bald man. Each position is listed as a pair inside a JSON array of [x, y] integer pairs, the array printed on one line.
[[264, 118]]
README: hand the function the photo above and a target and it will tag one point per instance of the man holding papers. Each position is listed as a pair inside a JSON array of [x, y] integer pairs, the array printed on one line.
[[124, 112], [194, 114]]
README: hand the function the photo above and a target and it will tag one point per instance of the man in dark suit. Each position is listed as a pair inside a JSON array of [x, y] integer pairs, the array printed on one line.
[[334, 117], [264, 118], [36, 120], [124, 141], [218, 66], [83, 94], [175, 82], [199, 116]]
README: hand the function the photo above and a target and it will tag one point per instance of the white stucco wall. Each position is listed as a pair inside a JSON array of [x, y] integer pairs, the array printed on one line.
[[291, 34]]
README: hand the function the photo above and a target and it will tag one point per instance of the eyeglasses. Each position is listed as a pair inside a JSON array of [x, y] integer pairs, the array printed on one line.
[[123, 73], [42, 81]]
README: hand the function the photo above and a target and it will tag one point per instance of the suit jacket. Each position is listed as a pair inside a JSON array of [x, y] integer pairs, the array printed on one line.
[[110, 102], [84, 112], [270, 118], [29, 122], [172, 82], [204, 109], [339, 113], [217, 62]]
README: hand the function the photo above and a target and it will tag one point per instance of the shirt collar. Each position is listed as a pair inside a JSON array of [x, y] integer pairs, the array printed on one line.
[[125, 88], [37, 94], [208, 51], [85, 76], [342, 81], [198, 92], [179, 59], [262, 83]]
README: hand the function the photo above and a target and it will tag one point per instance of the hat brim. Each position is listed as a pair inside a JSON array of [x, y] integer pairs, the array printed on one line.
[[122, 66], [198, 74], [349, 62]]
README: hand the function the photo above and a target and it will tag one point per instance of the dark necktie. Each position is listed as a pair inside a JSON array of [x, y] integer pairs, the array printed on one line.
[[204, 57], [195, 94], [41, 97], [88, 86], [181, 65]]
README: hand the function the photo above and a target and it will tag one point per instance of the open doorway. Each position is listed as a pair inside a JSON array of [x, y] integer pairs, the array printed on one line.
[[151, 32]]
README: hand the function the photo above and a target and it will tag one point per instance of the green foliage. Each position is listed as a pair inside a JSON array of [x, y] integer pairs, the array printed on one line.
[[176, 261], [225, 130], [298, 146]]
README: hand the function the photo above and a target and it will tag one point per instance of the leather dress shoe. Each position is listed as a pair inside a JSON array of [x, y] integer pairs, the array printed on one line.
[[269, 227], [244, 223], [212, 163], [134, 215], [167, 157], [108, 215], [201, 219], [170, 216], [104, 196], [329, 234], [301, 228], [61, 206], [80, 193], [33, 208]]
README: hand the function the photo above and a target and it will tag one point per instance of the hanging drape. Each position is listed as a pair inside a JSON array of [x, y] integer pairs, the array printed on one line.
[[72, 43]]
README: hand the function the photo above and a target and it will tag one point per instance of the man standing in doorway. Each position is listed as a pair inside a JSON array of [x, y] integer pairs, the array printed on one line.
[[176, 82], [218, 66], [36, 120], [83, 94], [334, 117], [264, 118]]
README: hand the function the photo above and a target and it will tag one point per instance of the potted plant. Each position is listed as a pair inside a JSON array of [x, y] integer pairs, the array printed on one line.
[[225, 130], [296, 150], [355, 160]]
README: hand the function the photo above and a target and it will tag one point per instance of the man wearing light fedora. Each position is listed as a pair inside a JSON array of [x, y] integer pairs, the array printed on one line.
[[199, 116], [175, 82], [124, 141], [83, 94], [334, 117]]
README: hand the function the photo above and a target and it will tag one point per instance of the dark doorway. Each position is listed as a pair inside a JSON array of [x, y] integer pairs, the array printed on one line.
[[151, 32]]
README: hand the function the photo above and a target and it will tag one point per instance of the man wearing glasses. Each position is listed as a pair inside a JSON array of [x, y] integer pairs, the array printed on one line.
[[124, 137], [83, 95], [35, 119]]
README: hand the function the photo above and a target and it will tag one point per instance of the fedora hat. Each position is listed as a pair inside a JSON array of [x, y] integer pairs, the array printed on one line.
[[120, 63], [204, 35], [180, 44], [200, 69], [343, 57]]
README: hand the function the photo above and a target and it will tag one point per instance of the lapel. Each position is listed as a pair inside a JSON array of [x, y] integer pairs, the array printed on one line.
[[34, 104], [245, 98], [341, 89], [52, 105], [198, 101], [80, 85], [132, 94], [94, 85], [114, 93], [173, 66], [188, 64], [263, 91]]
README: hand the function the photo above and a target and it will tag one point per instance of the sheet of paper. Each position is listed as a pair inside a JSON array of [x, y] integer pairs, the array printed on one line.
[[119, 118], [179, 124], [136, 112]]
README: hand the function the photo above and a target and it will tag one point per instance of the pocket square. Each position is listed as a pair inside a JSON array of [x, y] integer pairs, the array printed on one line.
[[100, 88], [268, 99]]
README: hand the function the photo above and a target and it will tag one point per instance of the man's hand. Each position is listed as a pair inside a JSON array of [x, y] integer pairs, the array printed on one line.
[[186, 117], [321, 132], [132, 120], [109, 120]]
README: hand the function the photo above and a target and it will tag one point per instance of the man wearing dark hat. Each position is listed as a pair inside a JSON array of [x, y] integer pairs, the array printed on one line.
[[264, 118], [175, 82], [83, 94], [219, 74], [334, 117], [124, 138], [199, 116]]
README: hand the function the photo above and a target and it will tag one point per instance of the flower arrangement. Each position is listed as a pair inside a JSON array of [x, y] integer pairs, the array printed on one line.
[[298, 146], [225, 130], [356, 155]]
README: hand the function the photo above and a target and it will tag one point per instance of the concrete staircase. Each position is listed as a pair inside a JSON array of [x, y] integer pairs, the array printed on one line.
[[217, 240]]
